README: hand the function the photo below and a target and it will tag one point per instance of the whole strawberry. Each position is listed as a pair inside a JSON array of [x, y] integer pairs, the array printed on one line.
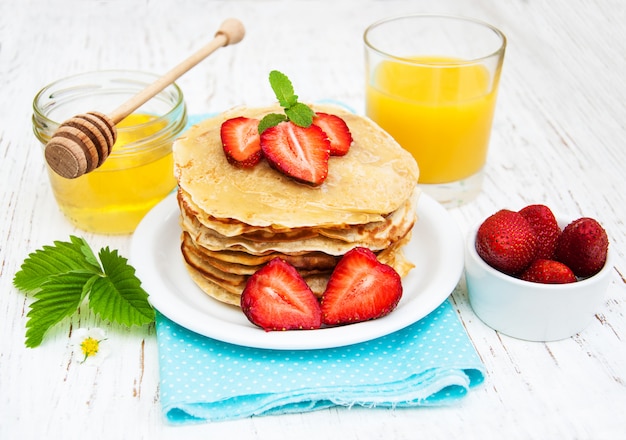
[[548, 272], [544, 223], [583, 246], [506, 242]]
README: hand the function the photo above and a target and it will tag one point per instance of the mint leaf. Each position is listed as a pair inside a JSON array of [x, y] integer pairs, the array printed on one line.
[[300, 114], [283, 89], [296, 112], [118, 296], [53, 260], [270, 120], [58, 297]]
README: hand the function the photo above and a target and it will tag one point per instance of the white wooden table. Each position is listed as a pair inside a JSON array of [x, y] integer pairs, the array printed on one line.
[[559, 138]]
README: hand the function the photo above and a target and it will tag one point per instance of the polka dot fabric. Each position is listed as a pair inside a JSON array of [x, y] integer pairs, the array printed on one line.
[[431, 362]]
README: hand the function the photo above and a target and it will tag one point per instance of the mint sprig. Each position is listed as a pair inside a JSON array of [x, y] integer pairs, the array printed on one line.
[[283, 89], [296, 112], [271, 120], [60, 277]]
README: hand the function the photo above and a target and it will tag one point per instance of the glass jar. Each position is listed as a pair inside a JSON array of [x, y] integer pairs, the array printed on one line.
[[113, 198]]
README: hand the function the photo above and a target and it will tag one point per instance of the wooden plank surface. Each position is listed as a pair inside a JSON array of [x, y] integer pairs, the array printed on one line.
[[559, 139]]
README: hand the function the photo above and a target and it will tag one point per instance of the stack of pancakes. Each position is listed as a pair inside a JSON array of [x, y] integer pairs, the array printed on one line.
[[234, 220]]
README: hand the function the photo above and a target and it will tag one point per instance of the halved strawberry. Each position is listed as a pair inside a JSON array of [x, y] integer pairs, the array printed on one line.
[[276, 297], [300, 153], [241, 141], [337, 131], [360, 288]]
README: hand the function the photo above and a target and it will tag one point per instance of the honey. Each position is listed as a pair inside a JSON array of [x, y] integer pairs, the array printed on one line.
[[116, 196], [138, 174]]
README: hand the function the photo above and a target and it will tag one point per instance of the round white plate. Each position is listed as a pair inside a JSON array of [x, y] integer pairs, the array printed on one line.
[[436, 249]]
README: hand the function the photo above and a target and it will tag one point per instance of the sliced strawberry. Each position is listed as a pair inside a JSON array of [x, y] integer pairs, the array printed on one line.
[[276, 297], [300, 153], [241, 141], [544, 223], [337, 131], [360, 288], [548, 272]]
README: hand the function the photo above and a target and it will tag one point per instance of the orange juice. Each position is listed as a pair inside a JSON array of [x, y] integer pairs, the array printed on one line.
[[114, 197], [437, 108]]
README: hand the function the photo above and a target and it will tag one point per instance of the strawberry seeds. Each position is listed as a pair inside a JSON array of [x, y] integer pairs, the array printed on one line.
[[299, 144], [530, 245], [361, 288], [301, 153]]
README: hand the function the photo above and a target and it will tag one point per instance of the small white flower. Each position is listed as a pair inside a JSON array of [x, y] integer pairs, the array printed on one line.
[[89, 345]]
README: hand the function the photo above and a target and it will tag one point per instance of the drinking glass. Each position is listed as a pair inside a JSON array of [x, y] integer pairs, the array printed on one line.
[[432, 83]]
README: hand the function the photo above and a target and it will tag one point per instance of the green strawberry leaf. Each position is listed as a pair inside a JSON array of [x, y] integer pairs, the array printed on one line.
[[53, 260], [60, 277], [90, 258], [118, 296], [58, 297]]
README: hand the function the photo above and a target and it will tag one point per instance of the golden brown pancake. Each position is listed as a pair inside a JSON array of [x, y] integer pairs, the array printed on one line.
[[374, 179], [225, 282], [235, 220], [374, 235]]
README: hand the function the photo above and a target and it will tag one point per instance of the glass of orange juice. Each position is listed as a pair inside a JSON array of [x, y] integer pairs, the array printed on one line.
[[139, 172], [432, 82]]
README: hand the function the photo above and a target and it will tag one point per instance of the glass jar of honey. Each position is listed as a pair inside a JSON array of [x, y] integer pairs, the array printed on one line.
[[113, 198]]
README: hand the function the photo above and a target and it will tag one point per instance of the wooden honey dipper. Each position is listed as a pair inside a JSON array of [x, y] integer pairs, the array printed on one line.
[[82, 143]]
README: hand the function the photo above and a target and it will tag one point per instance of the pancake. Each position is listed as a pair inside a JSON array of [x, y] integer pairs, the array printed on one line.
[[375, 235], [225, 282], [235, 220], [375, 178]]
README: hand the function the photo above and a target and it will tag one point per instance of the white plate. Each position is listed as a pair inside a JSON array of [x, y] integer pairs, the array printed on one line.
[[436, 249]]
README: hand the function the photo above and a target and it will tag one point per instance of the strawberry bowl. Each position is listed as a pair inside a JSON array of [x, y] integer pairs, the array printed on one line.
[[529, 310]]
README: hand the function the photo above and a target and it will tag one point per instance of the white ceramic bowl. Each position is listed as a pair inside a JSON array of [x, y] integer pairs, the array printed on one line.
[[527, 310]]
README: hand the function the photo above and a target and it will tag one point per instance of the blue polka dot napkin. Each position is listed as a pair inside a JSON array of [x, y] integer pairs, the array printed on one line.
[[431, 362]]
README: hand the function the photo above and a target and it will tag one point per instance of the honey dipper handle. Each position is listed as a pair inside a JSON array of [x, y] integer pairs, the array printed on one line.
[[230, 32]]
